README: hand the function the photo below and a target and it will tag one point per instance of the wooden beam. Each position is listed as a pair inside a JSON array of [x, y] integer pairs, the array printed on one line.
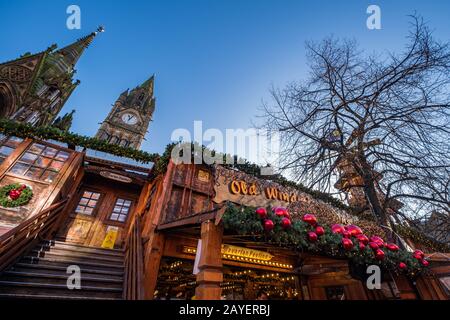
[[210, 263], [193, 220]]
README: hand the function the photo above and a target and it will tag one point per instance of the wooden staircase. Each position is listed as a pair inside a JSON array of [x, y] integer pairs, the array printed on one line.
[[42, 273]]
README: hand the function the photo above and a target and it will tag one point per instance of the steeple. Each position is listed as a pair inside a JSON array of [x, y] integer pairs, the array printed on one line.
[[148, 85], [73, 52], [65, 122], [47, 81], [127, 122]]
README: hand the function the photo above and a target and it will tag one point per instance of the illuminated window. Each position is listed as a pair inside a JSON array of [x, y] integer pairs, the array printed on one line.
[[87, 203], [7, 146], [40, 162], [121, 210]]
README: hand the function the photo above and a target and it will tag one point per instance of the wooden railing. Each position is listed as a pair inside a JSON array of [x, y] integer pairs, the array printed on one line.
[[134, 262], [17, 241]]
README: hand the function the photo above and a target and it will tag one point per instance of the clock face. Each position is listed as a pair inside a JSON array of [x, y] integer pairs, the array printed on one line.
[[129, 118]]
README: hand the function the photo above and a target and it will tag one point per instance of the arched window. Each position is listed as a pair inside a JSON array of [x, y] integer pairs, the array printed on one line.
[[7, 104], [114, 140], [104, 136], [124, 142], [33, 118]]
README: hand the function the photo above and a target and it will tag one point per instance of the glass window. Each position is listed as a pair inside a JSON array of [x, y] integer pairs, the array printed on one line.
[[121, 210], [40, 162], [87, 203], [7, 146]]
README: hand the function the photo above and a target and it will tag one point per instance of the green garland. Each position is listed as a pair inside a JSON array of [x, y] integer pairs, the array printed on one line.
[[244, 221], [24, 198], [25, 130]]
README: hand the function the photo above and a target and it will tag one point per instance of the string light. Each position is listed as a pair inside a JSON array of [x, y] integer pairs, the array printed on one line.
[[275, 264]]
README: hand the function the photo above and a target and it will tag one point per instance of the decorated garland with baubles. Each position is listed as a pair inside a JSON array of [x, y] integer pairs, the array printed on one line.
[[274, 225], [15, 195]]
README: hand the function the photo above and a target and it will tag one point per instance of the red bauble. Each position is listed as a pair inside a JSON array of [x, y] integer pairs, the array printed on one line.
[[280, 211], [337, 228], [346, 234], [347, 243], [424, 262], [374, 245], [320, 231], [418, 254], [15, 194], [363, 239], [362, 246], [392, 247], [310, 219], [378, 240], [268, 225], [402, 266], [312, 236], [286, 223], [354, 230], [22, 187], [379, 254], [261, 212]]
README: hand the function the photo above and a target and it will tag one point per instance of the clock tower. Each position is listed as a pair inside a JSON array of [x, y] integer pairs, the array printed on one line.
[[127, 123]]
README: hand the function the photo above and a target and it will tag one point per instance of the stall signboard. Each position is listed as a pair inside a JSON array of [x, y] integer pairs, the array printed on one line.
[[244, 189]]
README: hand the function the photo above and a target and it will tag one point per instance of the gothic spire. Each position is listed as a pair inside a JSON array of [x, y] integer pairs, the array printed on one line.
[[73, 52], [149, 85]]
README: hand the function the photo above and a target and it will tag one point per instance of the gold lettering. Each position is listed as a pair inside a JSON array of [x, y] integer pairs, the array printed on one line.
[[235, 187], [252, 190], [271, 193], [244, 188]]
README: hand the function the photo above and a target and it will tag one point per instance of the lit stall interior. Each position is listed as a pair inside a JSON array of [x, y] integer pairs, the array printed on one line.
[[176, 281]]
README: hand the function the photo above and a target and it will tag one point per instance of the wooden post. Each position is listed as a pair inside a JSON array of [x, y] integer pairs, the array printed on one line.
[[210, 264], [152, 263]]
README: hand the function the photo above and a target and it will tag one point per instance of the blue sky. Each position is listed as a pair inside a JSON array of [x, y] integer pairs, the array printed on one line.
[[213, 60]]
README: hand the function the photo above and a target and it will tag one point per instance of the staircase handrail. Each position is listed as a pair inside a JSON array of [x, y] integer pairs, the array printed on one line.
[[15, 242], [134, 262]]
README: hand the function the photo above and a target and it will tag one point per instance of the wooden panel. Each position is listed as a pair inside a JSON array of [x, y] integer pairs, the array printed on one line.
[[91, 230], [191, 192]]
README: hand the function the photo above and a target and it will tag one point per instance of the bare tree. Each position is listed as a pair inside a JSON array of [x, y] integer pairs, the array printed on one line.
[[385, 117]]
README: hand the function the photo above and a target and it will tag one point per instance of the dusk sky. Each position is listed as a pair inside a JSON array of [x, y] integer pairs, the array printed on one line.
[[213, 61]]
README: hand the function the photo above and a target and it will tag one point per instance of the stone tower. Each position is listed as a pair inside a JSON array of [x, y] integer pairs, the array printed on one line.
[[34, 87], [127, 123]]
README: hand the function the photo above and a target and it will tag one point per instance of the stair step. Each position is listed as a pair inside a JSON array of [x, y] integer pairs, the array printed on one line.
[[78, 253], [35, 288], [14, 296], [54, 269], [80, 257], [56, 286], [44, 261], [80, 248], [36, 277]]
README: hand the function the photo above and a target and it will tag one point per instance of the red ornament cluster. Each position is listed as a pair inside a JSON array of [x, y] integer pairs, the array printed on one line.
[[318, 231], [278, 211], [16, 193], [420, 256], [375, 243]]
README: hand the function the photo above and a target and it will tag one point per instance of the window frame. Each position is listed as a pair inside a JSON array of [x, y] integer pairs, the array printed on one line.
[[95, 209], [131, 208], [31, 142], [4, 139]]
